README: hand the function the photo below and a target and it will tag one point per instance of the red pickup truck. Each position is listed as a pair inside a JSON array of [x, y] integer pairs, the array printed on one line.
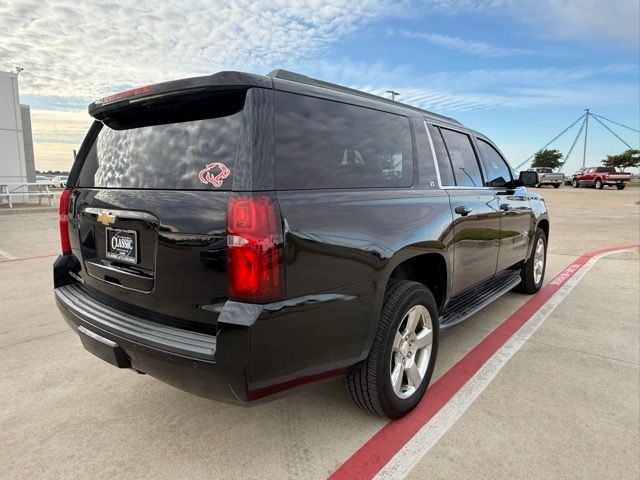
[[599, 177]]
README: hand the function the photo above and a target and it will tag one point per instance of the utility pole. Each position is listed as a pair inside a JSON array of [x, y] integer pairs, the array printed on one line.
[[393, 94], [586, 131]]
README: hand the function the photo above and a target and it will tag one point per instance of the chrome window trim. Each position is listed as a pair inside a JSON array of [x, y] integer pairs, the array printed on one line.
[[435, 160], [433, 154]]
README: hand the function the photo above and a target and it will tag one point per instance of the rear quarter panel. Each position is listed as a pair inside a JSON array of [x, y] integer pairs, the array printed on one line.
[[335, 240]]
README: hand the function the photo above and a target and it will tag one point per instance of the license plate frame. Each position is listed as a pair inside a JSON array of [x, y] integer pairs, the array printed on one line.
[[119, 254]]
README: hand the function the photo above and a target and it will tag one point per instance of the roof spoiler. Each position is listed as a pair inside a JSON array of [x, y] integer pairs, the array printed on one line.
[[219, 81]]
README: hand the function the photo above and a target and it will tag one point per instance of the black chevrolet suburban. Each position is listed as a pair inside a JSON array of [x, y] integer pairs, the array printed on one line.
[[238, 235]]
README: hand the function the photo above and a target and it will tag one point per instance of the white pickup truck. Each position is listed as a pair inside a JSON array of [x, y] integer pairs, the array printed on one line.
[[547, 177]]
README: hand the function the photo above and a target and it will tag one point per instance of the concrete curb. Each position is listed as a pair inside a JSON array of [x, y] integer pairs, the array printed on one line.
[[20, 211]]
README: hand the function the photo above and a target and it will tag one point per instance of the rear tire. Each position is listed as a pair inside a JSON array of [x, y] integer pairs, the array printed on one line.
[[395, 345], [574, 183], [620, 187], [599, 185], [556, 185], [533, 270]]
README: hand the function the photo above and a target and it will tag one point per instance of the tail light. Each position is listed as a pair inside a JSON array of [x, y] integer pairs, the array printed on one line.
[[254, 254], [63, 212]]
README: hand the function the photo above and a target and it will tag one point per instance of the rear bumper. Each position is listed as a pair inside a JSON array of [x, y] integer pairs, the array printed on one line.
[[186, 360], [258, 351]]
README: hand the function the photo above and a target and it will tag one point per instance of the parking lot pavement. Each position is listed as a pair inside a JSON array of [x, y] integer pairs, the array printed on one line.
[[566, 404]]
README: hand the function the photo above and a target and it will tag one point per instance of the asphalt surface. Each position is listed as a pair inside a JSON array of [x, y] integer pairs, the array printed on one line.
[[565, 406]]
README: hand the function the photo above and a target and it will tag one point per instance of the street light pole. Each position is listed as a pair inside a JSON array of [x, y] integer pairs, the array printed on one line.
[[393, 95], [586, 131]]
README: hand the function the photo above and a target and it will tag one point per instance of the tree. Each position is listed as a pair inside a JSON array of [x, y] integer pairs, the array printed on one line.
[[547, 158], [628, 159]]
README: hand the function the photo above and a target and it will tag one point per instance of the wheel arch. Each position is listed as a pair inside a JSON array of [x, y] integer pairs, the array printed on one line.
[[430, 269], [544, 225]]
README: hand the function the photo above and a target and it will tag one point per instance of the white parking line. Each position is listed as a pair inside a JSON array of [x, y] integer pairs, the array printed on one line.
[[6, 255], [409, 456]]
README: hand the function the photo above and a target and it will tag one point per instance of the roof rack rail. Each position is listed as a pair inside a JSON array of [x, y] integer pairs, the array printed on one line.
[[300, 78]]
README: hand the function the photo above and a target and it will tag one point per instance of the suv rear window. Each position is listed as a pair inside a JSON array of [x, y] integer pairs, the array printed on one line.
[[169, 155], [327, 144]]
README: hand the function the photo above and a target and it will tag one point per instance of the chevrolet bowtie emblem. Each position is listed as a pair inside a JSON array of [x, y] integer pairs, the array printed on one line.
[[106, 218]]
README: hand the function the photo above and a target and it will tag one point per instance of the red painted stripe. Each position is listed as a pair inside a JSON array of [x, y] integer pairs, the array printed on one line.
[[367, 461], [29, 258]]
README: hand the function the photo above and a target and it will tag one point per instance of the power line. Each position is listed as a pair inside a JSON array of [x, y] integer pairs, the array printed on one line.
[[620, 124], [614, 133], [581, 117], [575, 141]]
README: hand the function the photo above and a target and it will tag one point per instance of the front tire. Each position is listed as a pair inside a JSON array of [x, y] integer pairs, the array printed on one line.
[[574, 183], [395, 375], [533, 270], [620, 187]]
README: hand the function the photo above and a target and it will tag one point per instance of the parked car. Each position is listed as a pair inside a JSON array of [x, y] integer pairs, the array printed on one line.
[[237, 235], [599, 177], [547, 177], [568, 179], [42, 179], [60, 181]]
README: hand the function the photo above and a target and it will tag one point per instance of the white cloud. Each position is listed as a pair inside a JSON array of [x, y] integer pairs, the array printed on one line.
[[87, 49], [54, 156], [468, 47], [80, 49], [55, 135], [449, 92], [564, 19], [51, 126], [590, 19]]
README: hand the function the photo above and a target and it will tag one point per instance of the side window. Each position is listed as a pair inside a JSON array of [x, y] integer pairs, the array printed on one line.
[[326, 144], [498, 172], [442, 157], [463, 159]]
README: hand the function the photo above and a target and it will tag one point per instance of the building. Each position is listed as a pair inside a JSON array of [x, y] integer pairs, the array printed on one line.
[[17, 163]]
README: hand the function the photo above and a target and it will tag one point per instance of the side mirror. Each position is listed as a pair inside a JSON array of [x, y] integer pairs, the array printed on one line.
[[529, 179]]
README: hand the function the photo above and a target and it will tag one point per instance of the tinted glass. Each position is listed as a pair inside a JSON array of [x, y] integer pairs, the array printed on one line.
[[463, 159], [606, 169], [498, 172], [325, 144], [195, 155], [444, 165]]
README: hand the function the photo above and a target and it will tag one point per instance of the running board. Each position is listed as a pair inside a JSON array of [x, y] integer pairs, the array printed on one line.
[[463, 306]]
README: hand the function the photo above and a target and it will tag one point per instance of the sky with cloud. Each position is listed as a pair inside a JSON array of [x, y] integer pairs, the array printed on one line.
[[518, 70]]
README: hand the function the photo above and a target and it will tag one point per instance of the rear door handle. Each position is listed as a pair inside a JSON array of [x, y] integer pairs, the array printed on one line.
[[463, 210]]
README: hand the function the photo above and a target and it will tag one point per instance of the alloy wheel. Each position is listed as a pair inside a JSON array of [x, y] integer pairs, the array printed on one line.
[[538, 261], [411, 351]]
